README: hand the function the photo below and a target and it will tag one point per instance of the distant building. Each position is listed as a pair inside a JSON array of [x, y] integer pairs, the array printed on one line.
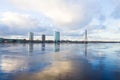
[[1, 39], [43, 38], [57, 37], [31, 36]]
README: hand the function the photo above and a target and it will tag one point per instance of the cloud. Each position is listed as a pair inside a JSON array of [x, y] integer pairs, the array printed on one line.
[[63, 12], [12, 23], [16, 20]]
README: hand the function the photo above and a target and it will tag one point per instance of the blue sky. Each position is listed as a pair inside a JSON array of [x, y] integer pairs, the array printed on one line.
[[71, 17]]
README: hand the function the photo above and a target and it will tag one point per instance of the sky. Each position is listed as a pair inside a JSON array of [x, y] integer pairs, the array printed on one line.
[[71, 18]]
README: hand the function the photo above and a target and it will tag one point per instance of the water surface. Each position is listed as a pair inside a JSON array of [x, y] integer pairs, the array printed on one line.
[[99, 61]]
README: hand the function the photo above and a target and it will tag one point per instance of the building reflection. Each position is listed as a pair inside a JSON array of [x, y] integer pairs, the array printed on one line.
[[43, 47], [57, 47], [30, 47]]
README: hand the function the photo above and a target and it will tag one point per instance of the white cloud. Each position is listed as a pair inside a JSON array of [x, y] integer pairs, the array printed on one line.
[[17, 20], [63, 12], [12, 23]]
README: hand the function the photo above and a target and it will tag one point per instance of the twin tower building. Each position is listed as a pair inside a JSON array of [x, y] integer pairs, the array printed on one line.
[[43, 38]]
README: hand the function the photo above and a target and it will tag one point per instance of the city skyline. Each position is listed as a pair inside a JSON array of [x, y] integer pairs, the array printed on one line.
[[70, 17]]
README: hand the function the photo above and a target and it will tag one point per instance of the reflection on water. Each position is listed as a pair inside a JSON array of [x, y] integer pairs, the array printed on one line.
[[30, 47], [72, 62], [85, 49], [57, 47], [56, 71], [43, 47], [13, 63]]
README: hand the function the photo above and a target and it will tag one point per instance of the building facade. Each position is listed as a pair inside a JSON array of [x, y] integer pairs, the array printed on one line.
[[43, 38], [31, 36], [57, 37]]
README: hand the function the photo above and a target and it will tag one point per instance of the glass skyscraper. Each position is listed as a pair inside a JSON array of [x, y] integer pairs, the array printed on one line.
[[57, 37], [43, 38], [31, 36]]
